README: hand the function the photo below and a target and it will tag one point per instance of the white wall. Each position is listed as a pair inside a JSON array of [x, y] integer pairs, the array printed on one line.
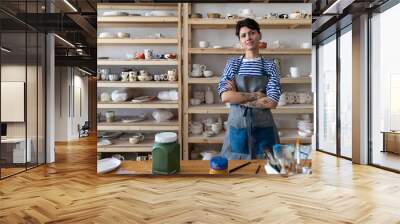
[[69, 82]]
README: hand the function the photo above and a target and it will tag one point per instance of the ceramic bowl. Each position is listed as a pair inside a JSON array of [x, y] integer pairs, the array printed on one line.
[[115, 13], [213, 15], [123, 35], [208, 73], [196, 15], [195, 101], [107, 35]]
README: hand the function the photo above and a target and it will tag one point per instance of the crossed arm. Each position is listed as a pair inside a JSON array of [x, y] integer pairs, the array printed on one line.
[[254, 100]]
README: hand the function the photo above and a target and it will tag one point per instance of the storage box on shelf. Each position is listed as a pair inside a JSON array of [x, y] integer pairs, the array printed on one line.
[[192, 53], [125, 16]]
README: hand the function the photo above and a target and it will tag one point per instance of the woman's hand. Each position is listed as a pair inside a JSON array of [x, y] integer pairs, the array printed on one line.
[[264, 102], [240, 97]]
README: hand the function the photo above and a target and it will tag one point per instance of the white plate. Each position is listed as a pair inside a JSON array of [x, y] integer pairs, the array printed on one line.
[[104, 142], [142, 99], [107, 35], [218, 46], [161, 13], [133, 119], [108, 164], [115, 13]]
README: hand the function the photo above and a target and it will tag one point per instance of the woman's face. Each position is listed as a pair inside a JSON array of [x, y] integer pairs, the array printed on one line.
[[249, 38]]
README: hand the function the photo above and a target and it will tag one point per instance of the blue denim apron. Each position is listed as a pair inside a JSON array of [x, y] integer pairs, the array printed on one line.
[[251, 130]]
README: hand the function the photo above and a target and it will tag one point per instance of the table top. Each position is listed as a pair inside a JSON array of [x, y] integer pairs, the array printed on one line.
[[13, 140], [194, 168]]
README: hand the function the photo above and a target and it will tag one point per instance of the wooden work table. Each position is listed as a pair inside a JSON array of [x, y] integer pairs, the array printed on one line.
[[192, 168]]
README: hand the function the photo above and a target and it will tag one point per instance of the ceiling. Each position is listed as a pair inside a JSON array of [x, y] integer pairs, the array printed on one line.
[[77, 23]]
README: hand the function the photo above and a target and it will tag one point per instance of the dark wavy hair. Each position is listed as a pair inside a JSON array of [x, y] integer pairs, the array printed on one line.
[[250, 23]]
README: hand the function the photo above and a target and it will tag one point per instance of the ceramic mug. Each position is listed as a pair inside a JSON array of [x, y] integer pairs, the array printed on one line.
[[124, 76], [132, 76], [156, 77], [216, 128], [113, 77], [137, 138], [203, 44], [148, 54], [140, 55], [302, 98], [195, 101], [208, 73], [294, 72], [199, 67], [196, 128], [110, 115], [197, 73]]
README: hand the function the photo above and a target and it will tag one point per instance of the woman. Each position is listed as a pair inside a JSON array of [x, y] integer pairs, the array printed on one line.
[[251, 85]]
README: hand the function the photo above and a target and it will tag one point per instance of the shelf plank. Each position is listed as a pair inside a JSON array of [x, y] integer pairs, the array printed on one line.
[[222, 109], [294, 109], [213, 80], [151, 125], [209, 23], [111, 41], [137, 19], [277, 51], [137, 6], [302, 80], [208, 109], [210, 80], [137, 62], [289, 137], [125, 146], [138, 84], [145, 105]]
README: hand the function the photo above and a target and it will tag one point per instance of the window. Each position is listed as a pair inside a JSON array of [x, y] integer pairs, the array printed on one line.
[[327, 96]]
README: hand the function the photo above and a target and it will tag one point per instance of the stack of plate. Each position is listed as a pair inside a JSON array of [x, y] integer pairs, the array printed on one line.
[[115, 13], [305, 128]]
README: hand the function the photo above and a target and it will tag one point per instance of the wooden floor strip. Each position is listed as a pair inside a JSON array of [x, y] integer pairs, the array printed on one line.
[[70, 191]]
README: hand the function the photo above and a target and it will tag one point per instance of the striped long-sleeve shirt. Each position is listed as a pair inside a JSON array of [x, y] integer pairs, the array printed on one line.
[[252, 67]]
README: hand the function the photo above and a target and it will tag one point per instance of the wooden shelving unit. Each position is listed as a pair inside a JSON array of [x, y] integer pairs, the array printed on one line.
[[146, 105], [118, 41], [136, 62], [138, 84], [223, 109], [189, 111], [148, 126], [125, 146], [206, 23], [238, 51], [139, 126], [215, 80], [289, 138]]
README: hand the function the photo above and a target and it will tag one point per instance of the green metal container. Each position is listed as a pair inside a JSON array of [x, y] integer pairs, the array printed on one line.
[[166, 155]]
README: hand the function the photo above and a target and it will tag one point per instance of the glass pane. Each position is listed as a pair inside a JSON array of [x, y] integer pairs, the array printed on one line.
[[41, 99], [31, 99], [385, 84], [346, 94], [13, 85], [327, 97]]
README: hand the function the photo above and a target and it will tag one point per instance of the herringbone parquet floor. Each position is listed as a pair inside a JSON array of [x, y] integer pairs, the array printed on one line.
[[70, 191]]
